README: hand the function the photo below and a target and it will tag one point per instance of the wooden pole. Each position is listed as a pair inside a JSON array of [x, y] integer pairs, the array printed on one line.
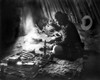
[[45, 48]]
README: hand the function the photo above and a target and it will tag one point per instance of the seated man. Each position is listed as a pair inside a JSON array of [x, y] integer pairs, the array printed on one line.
[[70, 48]]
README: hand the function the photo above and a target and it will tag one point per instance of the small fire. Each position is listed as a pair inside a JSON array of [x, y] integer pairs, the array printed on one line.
[[34, 38]]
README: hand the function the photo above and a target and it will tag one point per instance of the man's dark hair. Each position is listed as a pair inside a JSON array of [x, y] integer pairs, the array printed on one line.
[[62, 18], [58, 14]]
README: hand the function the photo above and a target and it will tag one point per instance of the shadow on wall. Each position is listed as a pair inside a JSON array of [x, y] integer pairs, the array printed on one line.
[[10, 25]]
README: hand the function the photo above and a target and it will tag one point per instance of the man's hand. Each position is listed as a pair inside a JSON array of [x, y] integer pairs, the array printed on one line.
[[57, 49]]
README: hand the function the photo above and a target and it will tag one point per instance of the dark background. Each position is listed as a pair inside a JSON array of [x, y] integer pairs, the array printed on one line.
[[9, 29], [9, 25]]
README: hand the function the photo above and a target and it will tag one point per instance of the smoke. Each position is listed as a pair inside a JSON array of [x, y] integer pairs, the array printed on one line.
[[28, 24]]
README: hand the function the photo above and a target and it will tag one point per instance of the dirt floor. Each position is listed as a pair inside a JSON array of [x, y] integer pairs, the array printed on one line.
[[91, 72]]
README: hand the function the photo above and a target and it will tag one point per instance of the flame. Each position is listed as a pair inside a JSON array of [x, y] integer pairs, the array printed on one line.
[[31, 34], [28, 24], [30, 41]]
